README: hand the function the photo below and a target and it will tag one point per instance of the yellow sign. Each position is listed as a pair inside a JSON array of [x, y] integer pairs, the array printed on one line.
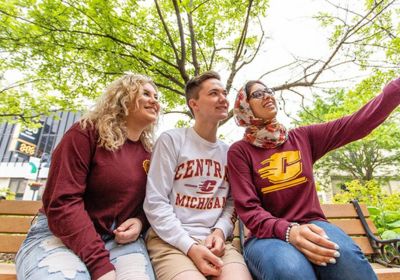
[[25, 148]]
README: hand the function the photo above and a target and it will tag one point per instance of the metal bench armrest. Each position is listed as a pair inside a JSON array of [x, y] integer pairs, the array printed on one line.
[[387, 252]]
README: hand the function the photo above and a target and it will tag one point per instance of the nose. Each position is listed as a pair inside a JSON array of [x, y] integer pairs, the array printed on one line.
[[153, 99], [267, 95], [222, 97]]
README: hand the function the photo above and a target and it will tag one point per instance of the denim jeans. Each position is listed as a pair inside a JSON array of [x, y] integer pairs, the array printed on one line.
[[44, 256], [274, 259]]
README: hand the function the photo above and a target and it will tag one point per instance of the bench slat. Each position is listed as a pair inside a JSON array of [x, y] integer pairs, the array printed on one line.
[[353, 226], [364, 244], [10, 224], [7, 271], [342, 211], [13, 207], [385, 273], [10, 243]]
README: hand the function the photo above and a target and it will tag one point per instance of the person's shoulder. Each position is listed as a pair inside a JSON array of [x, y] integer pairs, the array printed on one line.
[[239, 143], [222, 143], [174, 133], [172, 136], [78, 131]]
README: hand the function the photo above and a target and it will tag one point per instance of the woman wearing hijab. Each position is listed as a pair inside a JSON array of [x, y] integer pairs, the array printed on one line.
[[272, 182]]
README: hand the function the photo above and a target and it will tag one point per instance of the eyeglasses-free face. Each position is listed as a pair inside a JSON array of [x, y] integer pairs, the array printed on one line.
[[261, 93]]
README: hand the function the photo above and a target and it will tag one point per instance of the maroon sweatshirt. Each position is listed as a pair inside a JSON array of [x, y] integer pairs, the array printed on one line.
[[89, 188], [273, 187]]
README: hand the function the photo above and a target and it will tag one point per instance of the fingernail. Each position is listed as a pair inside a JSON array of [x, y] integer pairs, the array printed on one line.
[[326, 236], [336, 254], [337, 247], [333, 261], [323, 264]]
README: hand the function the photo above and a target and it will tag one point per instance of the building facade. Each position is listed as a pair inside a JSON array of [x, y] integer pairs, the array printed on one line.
[[25, 154]]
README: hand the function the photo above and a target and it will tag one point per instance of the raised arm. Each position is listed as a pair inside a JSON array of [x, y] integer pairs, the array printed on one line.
[[334, 134]]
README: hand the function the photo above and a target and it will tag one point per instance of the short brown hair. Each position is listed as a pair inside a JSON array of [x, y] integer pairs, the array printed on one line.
[[193, 86]]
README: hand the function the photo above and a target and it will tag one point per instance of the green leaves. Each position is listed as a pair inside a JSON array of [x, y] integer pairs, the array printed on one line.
[[78, 47], [383, 207], [376, 154]]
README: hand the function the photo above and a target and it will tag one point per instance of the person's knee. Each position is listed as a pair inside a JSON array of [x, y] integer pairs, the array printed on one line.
[[50, 259], [282, 263], [133, 266], [291, 266]]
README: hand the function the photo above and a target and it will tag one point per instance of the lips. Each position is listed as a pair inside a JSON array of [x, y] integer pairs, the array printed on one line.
[[224, 108], [268, 103], [151, 108]]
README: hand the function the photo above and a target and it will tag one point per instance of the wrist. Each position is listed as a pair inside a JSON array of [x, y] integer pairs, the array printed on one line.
[[218, 232], [289, 228], [139, 221]]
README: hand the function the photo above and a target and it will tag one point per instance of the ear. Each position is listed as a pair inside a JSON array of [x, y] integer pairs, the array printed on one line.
[[193, 104]]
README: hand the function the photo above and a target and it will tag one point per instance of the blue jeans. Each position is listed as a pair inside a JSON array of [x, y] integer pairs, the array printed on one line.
[[44, 256], [274, 259]]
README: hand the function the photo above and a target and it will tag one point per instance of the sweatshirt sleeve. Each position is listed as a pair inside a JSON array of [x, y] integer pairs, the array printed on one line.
[[157, 205], [145, 223], [63, 201], [248, 205], [227, 219], [334, 134]]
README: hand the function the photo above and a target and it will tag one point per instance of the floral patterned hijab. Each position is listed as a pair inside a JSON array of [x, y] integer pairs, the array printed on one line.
[[260, 133]]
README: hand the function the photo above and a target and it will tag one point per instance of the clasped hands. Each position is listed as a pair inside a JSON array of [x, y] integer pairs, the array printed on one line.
[[128, 231], [207, 257], [313, 242]]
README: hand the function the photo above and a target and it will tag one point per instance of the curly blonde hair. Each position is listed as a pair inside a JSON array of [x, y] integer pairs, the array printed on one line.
[[109, 113]]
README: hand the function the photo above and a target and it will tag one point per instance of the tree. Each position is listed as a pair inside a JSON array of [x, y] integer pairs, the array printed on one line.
[[71, 48], [376, 154]]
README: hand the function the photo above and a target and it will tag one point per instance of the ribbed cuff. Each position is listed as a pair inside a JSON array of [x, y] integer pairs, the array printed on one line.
[[185, 243], [225, 226], [101, 270], [280, 228]]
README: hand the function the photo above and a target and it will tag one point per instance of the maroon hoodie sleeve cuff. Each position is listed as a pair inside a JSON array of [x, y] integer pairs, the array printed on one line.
[[101, 268], [280, 229]]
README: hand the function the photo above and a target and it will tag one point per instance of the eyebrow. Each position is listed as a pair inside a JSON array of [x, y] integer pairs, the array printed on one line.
[[217, 89], [147, 91]]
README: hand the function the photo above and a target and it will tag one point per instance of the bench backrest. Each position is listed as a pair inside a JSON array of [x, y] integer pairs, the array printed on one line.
[[15, 220], [16, 217], [345, 217]]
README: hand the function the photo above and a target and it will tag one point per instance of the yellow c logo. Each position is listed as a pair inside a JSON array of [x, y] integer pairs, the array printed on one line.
[[282, 170]]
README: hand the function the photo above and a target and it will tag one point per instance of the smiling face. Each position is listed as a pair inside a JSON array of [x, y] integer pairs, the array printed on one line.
[[211, 103], [262, 102], [146, 108]]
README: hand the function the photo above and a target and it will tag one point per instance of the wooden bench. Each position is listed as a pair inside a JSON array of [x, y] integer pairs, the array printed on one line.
[[15, 220], [16, 217], [354, 219]]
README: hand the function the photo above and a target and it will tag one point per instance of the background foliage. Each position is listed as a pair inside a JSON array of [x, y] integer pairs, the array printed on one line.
[[383, 207], [68, 50]]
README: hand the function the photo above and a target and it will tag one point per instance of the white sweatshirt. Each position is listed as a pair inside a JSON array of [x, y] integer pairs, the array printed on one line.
[[187, 192]]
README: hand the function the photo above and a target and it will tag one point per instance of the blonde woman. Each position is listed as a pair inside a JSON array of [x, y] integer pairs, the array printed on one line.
[[92, 216]]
